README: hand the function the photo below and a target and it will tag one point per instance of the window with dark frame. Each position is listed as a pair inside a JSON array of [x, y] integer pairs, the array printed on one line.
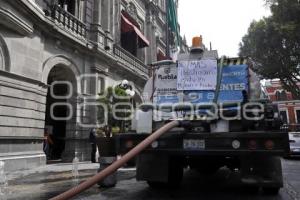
[[129, 42], [132, 36], [298, 116], [281, 96], [283, 115], [68, 5]]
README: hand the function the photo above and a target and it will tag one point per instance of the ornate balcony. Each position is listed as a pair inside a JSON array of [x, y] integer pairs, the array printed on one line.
[[131, 61], [68, 21]]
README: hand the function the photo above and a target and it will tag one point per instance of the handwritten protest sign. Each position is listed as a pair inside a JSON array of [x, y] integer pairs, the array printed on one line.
[[197, 75]]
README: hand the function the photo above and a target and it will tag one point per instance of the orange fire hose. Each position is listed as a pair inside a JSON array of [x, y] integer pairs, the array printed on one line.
[[117, 164]]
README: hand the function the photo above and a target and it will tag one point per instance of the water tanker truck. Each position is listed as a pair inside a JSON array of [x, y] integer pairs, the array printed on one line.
[[224, 122]]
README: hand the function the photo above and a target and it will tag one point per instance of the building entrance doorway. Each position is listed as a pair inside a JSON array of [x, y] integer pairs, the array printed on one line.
[[60, 111]]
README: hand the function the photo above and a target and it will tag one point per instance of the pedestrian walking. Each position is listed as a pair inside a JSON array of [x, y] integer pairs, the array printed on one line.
[[47, 143], [92, 140]]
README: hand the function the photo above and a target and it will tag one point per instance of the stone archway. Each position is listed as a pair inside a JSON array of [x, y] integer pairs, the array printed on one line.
[[4, 56], [60, 60], [61, 75]]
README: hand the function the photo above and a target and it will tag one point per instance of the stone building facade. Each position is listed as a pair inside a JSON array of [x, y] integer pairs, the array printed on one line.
[[80, 47]]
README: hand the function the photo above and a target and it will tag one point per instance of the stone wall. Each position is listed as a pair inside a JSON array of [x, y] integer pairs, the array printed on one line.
[[31, 45], [22, 104]]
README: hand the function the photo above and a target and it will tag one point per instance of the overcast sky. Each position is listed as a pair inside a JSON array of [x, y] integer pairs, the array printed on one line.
[[222, 22]]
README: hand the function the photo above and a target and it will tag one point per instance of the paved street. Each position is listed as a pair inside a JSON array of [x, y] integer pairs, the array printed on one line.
[[225, 185]]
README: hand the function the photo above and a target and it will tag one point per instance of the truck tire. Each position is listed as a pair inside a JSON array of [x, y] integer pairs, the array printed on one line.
[[175, 175], [275, 170], [156, 185], [271, 190], [208, 165], [263, 171], [208, 169]]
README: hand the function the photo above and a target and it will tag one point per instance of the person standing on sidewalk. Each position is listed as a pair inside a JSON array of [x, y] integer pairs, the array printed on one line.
[[48, 142], [92, 140]]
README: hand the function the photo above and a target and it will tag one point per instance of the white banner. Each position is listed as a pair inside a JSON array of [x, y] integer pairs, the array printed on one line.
[[165, 80], [197, 75]]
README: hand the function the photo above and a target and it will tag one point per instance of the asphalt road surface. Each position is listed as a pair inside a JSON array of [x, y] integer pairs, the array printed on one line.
[[223, 185]]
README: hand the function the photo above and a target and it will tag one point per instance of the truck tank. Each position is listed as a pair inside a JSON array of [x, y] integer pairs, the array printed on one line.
[[236, 80]]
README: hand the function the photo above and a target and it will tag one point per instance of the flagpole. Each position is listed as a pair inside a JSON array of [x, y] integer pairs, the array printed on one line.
[[167, 29]]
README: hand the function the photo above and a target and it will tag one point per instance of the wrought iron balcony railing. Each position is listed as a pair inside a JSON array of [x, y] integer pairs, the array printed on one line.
[[68, 21], [130, 61]]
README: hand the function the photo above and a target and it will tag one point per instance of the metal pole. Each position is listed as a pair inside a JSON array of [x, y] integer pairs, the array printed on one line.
[[167, 29], [219, 79]]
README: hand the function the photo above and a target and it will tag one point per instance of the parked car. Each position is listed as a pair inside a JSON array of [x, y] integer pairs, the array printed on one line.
[[294, 138]]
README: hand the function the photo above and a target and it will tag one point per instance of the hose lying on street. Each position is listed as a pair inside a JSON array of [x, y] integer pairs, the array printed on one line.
[[117, 164]]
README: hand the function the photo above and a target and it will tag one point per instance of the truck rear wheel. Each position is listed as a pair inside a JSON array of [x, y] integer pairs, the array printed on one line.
[[206, 164], [175, 175], [271, 190], [263, 171], [156, 185], [208, 169]]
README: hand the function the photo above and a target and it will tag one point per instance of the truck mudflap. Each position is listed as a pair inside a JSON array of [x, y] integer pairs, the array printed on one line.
[[224, 144]]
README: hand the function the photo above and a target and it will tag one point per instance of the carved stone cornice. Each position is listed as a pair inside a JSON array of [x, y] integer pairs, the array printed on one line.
[[132, 11], [152, 6], [12, 19]]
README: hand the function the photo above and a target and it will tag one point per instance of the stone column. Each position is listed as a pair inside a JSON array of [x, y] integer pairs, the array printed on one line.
[[151, 54], [148, 35], [106, 24], [77, 7], [96, 28], [153, 39], [81, 10], [117, 22], [112, 18], [97, 12], [106, 15]]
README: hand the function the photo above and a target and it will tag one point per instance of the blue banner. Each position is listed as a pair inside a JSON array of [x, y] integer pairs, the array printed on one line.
[[167, 99], [234, 81]]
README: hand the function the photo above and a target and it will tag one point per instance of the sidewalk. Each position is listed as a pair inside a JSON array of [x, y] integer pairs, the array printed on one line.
[[50, 180], [60, 167], [45, 182]]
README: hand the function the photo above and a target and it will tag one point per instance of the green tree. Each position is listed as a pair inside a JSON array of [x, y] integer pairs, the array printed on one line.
[[273, 43], [109, 99]]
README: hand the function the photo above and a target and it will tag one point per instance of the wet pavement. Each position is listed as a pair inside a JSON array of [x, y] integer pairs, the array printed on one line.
[[49, 181]]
